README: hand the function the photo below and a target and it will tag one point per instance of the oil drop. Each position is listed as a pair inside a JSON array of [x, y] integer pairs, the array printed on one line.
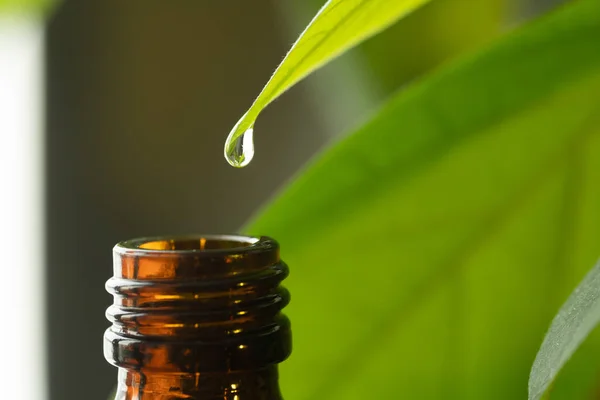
[[240, 151]]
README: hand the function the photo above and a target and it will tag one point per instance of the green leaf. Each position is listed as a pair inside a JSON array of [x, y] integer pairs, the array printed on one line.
[[573, 323], [430, 249], [338, 26]]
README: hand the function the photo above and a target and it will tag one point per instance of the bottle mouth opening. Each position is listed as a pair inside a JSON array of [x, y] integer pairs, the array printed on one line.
[[196, 244]]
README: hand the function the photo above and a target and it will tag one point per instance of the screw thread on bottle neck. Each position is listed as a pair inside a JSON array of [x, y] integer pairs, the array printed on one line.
[[194, 306]]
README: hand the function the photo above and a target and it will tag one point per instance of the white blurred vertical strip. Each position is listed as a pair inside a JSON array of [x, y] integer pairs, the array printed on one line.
[[22, 326]]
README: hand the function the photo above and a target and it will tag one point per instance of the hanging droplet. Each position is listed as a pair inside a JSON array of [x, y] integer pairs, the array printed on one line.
[[240, 151]]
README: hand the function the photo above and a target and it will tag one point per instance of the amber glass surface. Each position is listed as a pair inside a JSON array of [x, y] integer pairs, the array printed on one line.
[[198, 318]]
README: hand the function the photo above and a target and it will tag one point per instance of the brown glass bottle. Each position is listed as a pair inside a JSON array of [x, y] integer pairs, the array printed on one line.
[[198, 318]]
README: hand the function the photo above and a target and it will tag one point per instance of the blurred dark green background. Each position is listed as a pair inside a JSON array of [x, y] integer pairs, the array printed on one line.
[[140, 96]]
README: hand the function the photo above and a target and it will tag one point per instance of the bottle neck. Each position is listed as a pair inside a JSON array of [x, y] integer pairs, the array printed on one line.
[[261, 384], [198, 318]]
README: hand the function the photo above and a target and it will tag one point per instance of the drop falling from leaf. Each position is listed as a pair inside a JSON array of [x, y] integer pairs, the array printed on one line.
[[240, 151]]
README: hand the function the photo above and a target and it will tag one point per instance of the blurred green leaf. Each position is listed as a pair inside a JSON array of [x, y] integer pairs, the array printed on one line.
[[27, 6], [430, 248], [574, 322], [338, 26]]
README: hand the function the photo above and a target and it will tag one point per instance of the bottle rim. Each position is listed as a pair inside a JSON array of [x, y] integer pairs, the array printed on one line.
[[197, 244]]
